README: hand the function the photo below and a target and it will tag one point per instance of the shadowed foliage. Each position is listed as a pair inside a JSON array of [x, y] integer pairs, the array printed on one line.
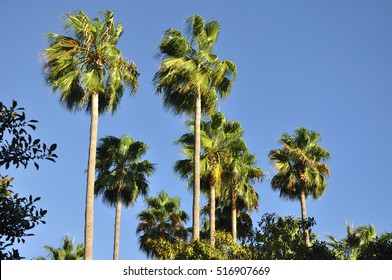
[[18, 215]]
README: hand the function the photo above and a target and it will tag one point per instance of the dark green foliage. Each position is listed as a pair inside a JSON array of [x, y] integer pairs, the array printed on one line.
[[378, 249], [275, 238], [361, 242], [281, 238], [17, 146], [223, 220], [179, 249], [18, 215]]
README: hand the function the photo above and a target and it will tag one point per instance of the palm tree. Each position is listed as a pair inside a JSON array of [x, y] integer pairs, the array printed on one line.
[[223, 221], [90, 73], [122, 176], [190, 77], [350, 247], [301, 169], [240, 175], [67, 251], [218, 138], [161, 219]]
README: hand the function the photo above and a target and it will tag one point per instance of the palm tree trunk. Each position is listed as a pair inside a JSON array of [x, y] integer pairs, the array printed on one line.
[[303, 215], [116, 246], [234, 217], [89, 212], [196, 189], [212, 215]]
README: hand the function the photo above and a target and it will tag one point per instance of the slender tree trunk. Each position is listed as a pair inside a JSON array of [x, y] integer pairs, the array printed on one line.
[[212, 215], [89, 212], [196, 189], [116, 246], [303, 215], [234, 217]]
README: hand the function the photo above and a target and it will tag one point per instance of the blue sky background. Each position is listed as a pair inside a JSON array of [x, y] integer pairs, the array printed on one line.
[[324, 65]]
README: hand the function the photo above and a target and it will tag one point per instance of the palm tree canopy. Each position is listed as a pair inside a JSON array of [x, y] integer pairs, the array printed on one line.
[[218, 138], [188, 68], [87, 62], [300, 161], [120, 167], [357, 237], [67, 251], [351, 246], [162, 219]]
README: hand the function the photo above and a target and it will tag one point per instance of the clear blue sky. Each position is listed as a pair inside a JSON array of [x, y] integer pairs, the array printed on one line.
[[325, 65]]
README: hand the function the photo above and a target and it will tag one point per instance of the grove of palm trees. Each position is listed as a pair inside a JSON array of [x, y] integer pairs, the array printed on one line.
[[228, 198]]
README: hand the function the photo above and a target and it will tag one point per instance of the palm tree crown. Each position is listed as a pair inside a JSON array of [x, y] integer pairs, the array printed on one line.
[[87, 62], [120, 168], [161, 219], [122, 175], [67, 251], [188, 68]]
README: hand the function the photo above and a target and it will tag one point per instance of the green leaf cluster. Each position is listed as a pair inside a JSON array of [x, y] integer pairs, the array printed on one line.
[[18, 215], [17, 146], [180, 249]]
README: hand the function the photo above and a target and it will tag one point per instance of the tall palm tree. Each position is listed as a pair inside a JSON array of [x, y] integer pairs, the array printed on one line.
[[67, 251], [90, 73], [218, 138], [162, 219], [190, 77], [301, 167], [122, 176], [239, 177]]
